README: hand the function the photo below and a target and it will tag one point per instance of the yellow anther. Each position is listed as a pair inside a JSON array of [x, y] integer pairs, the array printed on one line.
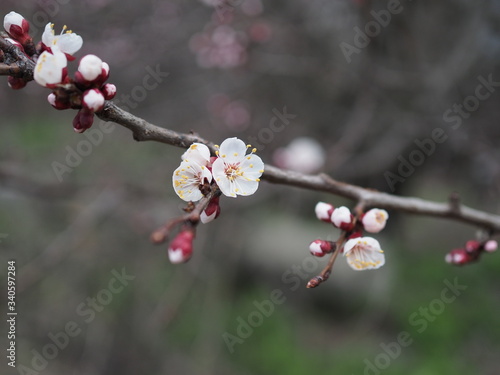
[[254, 150], [235, 154]]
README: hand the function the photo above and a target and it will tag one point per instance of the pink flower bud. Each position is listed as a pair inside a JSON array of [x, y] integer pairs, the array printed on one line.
[[212, 211], [491, 246], [324, 211], [320, 248], [83, 120], [374, 220], [93, 100], [460, 257], [16, 83], [472, 246], [105, 71], [56, 102], [17, 26], [109, 91], [342, 218], [181, 248]]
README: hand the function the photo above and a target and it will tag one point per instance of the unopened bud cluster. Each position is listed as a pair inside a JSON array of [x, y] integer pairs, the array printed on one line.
[[362, 253], [86, 92], [470, 252]]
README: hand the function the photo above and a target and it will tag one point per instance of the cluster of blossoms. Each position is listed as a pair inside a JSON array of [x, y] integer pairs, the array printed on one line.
[[471, 252], [231, 172], [234, 114], [87, 91], [224, 45], [362, 253]]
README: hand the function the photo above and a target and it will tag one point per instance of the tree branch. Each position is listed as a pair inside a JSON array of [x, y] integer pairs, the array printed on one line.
[[145, 131], [22, 65], [18, 64]]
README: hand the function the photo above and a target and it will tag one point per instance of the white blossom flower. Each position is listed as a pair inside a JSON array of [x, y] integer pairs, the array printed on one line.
[[303, 155], [364, 253], [188, 178], [68, 42], [235, 172], [198, 153], [49, 69], [491, 246], [374, 220]]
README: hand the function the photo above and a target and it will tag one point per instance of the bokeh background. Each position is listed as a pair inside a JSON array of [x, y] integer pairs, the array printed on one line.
[[230, 65]]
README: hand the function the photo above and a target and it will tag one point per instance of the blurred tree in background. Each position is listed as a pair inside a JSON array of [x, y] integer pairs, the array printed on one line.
[[367, 100]]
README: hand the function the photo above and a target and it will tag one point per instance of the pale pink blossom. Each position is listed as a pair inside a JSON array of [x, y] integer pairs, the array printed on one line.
[[364, 253]]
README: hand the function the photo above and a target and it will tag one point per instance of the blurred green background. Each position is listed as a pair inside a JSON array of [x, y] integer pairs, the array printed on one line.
[[68, 236]]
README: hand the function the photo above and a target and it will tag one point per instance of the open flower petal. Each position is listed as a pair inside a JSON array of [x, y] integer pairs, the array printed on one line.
[[68, 42], [232, 150], [197, 152], [187, 180], [364, 253], [49, 69]]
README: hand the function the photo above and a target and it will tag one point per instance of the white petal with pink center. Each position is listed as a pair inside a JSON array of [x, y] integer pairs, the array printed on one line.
[[49, 67], [374, 220], [68, 42], [364, 253], [235, 172], [198, 153], [187, 180]]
